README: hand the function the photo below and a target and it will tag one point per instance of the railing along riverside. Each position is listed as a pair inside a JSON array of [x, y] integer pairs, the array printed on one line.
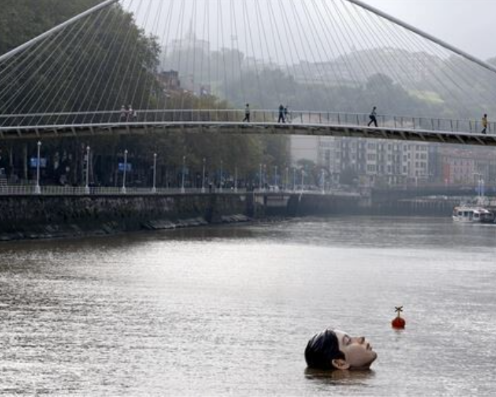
[[49, 190], [222, 116]]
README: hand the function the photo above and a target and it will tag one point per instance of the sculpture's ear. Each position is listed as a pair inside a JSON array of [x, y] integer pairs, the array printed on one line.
[[340, 364]]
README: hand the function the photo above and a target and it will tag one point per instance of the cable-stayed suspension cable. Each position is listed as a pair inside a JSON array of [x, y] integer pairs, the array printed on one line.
[[80, 85], [405, 66], [287, 27], [308, 43], [373, 84], [129, 51], [430, 38], [240, 60], [318, 39], [91, 91], [61, 70], [415, 48], [441, 53], [336, 45], [323, 44], [80, 92], [136, 69], [14, 78], [349, 41], [143, 73], [377, 48], [263, 40], [249, 37], [118, 62]]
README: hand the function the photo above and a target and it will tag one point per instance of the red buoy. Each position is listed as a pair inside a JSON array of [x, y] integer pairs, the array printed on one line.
[[398, 322]]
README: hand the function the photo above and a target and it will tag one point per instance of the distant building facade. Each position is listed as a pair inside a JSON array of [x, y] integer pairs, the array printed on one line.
[[375, 162], [388, 163], [170, 80]]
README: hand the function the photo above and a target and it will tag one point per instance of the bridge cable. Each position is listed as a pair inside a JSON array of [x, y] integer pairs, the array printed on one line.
[[27, 97]]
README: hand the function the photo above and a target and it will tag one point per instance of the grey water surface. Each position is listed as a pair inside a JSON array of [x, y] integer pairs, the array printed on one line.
[[228, 310]]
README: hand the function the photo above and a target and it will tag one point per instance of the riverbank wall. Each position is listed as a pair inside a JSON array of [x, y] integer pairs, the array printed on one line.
[[36, 217], [32, 217]]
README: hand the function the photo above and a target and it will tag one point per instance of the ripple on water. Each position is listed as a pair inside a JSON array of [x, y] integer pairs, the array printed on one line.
[[228, 310]]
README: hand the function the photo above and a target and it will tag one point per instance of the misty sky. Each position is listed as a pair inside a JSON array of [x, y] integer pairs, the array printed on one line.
[[466, 24]]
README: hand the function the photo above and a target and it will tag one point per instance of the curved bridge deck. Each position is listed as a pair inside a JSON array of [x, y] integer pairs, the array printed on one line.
[[464, 132]]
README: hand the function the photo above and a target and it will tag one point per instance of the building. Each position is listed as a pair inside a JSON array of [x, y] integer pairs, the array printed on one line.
[[465, 166], [375, 162], [170, 80]]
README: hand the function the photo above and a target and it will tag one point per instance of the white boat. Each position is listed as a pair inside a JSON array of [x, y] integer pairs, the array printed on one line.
[[472, 214]]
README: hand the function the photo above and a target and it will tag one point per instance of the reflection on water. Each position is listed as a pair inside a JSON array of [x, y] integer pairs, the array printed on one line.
[[339, 377], [229, 310]]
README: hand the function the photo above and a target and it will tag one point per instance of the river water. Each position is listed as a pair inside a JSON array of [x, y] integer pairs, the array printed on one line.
[[229, 310]]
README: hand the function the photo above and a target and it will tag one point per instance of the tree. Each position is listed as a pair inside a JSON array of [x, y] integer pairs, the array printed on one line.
[[348, 177]]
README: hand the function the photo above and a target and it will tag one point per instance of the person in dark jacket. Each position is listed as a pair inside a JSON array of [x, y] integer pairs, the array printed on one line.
[[373, 117], [281, 114]]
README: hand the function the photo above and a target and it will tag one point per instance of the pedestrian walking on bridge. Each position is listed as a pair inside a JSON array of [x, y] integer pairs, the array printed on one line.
[[123, 116], [484, 124], [281, 114], [247, 113], [373, 117]]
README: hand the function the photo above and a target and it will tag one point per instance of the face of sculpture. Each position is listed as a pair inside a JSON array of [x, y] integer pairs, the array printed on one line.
[[358, 352]]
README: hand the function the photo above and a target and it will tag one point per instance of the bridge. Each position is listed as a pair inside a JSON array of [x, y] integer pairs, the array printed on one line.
[[229, 121], [60, 84]]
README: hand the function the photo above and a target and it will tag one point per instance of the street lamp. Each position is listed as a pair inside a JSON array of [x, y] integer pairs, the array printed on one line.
[[480, 187], [221, 175], [203, 176], [294, 179], [236, 180], [287, 178], [87, 186], [183, 190], [154, 188], [260, 178], [124, 190], [302, 179], [322, 178], [37, 189], [264, 181]]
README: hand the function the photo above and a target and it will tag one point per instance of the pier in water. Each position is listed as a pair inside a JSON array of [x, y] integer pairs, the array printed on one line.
[[229, 310]]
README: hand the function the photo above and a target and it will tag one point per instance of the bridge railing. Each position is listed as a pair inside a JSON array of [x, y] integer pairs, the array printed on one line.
[[204, 116], [27, 190]]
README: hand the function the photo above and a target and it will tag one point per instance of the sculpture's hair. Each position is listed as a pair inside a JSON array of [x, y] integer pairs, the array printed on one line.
[[322, 349]]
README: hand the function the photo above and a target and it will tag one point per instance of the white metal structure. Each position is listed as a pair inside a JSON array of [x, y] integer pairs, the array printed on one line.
[[466, 132]]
